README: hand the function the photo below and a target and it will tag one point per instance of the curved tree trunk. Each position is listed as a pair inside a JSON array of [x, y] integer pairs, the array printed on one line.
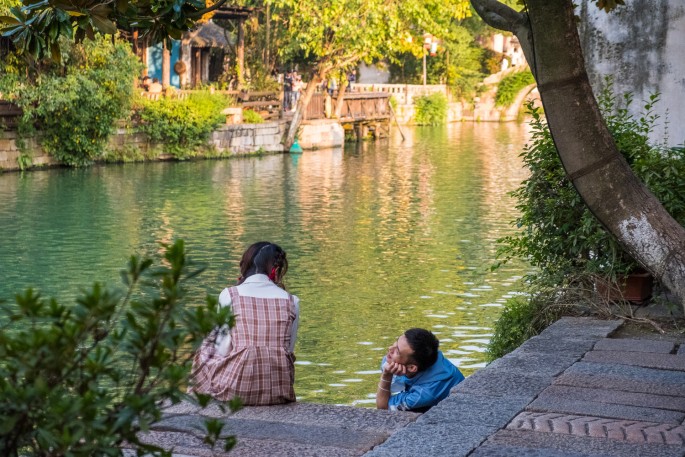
[[600, 174], [301, 108]]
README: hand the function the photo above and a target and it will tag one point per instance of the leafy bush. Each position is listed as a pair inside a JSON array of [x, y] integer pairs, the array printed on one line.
[[252, 117], [81, 380], [431, 109], [558, 234], [76, 104], [511, 85], [183, 125], [491, 61]]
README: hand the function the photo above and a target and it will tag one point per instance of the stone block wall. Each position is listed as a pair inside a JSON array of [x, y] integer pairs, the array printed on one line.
[[321, 133], [246, 138], [227, 139]]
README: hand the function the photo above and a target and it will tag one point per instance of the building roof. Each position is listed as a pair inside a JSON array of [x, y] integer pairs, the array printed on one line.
[[208, 35]]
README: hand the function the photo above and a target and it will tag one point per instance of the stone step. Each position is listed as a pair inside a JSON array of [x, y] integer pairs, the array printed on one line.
[[615, 397], [625, 378], [593, 408], [598, 427], [634, 345], [302, 429], [556, 445], [651, 360]]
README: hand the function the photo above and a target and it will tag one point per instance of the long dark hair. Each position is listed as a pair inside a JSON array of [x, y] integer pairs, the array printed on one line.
[[266, 258]]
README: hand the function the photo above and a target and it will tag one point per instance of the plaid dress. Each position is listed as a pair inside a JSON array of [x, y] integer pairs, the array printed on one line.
[[258, 367]]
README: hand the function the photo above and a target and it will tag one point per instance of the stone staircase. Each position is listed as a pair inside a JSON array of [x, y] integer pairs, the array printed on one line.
[[298, 429]]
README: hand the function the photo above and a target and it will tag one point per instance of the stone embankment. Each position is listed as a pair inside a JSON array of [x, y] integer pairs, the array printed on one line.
[[571, 391], [225, 141]]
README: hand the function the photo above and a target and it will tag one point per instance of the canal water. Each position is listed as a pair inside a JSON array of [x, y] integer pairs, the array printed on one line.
[[380, 237]]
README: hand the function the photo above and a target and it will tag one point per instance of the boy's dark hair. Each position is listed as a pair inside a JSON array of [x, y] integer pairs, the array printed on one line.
[[425, 346]]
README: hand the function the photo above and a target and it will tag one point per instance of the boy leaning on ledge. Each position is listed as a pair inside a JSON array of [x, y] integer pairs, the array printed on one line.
[[415, 374]]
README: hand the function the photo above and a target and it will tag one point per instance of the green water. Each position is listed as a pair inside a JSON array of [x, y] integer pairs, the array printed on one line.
[[380, 237]]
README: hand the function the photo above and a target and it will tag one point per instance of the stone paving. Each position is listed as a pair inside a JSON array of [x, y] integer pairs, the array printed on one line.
[[571, 391]]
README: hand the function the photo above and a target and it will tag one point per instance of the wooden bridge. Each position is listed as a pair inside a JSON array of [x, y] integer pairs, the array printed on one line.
[[365, 113]]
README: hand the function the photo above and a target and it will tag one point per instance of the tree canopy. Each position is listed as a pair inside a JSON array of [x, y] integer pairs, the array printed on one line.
[[37, 26]]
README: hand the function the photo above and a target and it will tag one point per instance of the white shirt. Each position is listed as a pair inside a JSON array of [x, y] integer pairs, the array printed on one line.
[[259, 286]]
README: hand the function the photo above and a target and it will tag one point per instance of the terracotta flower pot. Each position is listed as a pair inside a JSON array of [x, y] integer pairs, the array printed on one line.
[[634, 287]]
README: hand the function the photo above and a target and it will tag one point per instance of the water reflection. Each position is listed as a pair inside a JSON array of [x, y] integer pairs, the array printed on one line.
[[380, 238]]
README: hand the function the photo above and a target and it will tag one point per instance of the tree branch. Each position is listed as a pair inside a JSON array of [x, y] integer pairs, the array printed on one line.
[[201, 13], [498, 15]]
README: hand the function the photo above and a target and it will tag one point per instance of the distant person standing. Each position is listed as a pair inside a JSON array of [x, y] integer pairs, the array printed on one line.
[[297, 89], [332, 86], [287, 91], [351, 79], [155, 87]]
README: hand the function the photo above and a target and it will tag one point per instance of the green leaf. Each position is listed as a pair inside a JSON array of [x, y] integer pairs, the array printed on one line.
[[5, 20], [103, 25]]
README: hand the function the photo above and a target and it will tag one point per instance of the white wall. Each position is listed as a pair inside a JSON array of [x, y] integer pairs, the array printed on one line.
[[642, 44], [371, 74]]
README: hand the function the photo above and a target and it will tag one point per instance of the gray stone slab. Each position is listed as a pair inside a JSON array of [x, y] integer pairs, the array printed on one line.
[[624, 373], [311, 435], [614, 397], [596, 409], [319, 414], [473, 409], [660, 361], [184, 407], [434, 440], [488, 450], [271, 448], [586, 446], [564, 347], [533, 363], [681, 349], [183, 444], [619, 384], [581, 328], [502, 384], [634, 345]]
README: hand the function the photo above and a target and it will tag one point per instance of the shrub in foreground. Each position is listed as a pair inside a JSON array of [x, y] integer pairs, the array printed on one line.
[[81, 380]]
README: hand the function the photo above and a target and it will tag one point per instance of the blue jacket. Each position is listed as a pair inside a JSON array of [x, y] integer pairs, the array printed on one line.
[[425, 389]]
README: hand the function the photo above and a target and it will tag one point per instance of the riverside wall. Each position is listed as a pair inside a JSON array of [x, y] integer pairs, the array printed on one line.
[[127, 145]]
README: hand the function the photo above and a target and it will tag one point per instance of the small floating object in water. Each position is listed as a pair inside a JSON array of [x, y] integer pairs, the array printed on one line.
[[296, 148]]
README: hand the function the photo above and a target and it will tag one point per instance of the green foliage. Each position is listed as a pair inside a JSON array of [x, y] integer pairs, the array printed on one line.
[[81, 380], [252, 117], [75, 105], [526, 316], [557, 233], [511, 85], [183, 125], [37, 27], [457, 62], [516, 324], [430, 109], [491, 61], [129, 153], [393, 103], [24, 161], [5, 6]]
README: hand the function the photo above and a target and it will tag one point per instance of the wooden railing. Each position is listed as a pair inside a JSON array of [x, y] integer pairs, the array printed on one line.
[[357, 106]]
